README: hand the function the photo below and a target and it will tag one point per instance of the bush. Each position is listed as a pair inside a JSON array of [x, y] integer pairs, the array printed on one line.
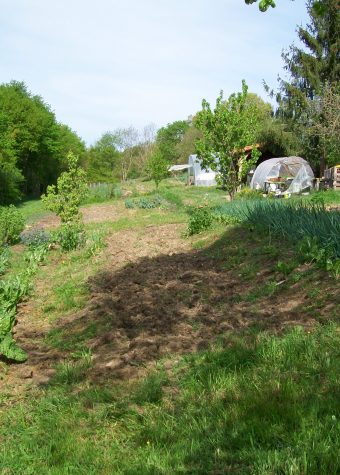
[[35, 237], [200, 220], [71, 236], [11, 224]]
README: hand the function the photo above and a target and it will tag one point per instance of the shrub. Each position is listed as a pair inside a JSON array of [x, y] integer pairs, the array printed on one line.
[[200, 220], [11, 224], [71, 190], [71, 236], [35, 237]]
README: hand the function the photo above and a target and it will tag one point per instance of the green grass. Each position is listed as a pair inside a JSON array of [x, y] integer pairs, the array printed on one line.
[[257, 404], [33, 210]]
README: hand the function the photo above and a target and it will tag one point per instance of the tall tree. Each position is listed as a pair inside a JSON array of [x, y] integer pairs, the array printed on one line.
[[311, 67], [316, 63]]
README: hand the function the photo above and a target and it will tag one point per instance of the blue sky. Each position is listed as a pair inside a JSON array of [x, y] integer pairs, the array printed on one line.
[[104, 64]]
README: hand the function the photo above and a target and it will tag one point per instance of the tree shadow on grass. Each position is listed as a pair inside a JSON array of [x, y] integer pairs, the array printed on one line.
[[174, 304]]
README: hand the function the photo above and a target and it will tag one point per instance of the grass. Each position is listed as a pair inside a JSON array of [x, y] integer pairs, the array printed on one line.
[[33, 210], [254, 402], [257, 404]]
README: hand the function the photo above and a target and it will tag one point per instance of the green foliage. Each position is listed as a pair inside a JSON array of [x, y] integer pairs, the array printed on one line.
[[11, 224], [306, 224], [12, 291], [65, 198], [258, 404], [247, 193], [4, 258], [32, 142], [157, 167], [71, 236], [102, 160], [95, 243], [35, 237], [145, 202], [169, 137], [10, 179], [313, 67], [200, 220], [101, 192], [11, 350], [227, 131]]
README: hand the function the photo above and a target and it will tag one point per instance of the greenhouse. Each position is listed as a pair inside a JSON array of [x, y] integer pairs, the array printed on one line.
[[283, 175], [198, 175]]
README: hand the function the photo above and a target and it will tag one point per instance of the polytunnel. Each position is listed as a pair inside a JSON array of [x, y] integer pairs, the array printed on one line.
[[201, 177], [293, 173]]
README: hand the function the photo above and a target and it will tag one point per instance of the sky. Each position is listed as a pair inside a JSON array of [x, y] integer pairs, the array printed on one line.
[[107, 64]]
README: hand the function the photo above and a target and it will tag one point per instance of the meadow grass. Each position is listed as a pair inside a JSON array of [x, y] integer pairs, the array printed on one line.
[[257, 404]]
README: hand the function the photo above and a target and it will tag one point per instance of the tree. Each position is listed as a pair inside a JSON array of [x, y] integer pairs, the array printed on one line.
[[168, 139], [32, 143], [65, 198], [227, 131], [157, 167], [311, 69], [125, 140], [187, 145], [102, 160], [323, 116]]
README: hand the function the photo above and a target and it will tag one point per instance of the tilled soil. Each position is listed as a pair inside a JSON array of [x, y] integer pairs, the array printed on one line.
[[158, 297]]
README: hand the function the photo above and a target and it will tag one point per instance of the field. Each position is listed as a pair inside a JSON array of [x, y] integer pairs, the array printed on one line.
[[153, 350]]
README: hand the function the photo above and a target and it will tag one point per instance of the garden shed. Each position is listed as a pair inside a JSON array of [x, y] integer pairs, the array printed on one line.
[[290, 174]]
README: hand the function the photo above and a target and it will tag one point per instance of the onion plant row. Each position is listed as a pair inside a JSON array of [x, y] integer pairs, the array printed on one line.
[[294, 221]]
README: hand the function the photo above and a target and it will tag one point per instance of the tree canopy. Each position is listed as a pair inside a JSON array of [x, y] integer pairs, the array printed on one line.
[[227, 132], [33, 145]]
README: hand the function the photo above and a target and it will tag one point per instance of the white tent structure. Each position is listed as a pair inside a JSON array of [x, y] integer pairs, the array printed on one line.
[[295, 171], [199, 176]]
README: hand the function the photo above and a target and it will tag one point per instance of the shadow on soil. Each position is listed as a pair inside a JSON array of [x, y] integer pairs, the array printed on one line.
[[181, 303]]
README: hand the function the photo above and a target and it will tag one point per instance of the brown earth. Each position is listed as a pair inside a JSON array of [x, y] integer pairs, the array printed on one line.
[[157, 297], [91, 214]]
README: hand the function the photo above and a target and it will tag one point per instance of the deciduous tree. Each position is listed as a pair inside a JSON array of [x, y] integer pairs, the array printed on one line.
[[227, 131]]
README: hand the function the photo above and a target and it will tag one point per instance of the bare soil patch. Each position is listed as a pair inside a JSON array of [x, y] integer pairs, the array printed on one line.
[[92, 214]]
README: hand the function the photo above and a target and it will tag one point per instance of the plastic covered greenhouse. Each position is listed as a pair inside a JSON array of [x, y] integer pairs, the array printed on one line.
[[200, 176], [295, 172]]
